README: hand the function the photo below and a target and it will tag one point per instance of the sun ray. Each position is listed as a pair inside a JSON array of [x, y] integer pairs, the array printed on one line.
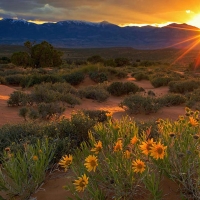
[[184, 41], [187, 51], [194, 41], [197, 62]]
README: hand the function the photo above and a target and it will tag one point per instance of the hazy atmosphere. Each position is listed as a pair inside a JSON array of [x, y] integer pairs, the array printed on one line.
[[128, 12]]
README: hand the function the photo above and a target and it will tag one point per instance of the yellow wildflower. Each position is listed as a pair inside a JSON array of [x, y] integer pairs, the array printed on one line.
[[98, 147], [35, 158], [138, 166], [146, 146], [158, 151], [65, 161], [81, 183], [193, 121], [134, 140], [91, 163], [118, 146]]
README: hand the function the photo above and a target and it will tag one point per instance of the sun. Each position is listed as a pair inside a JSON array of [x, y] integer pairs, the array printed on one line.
[[195, 21]]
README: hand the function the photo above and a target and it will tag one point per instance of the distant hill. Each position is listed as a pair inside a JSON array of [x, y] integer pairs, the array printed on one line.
[[82, 34]]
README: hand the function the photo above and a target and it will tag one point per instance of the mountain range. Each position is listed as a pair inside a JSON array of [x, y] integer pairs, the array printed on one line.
[[83, 34]]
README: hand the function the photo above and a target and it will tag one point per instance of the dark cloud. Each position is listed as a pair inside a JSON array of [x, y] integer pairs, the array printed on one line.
[[116, 11]]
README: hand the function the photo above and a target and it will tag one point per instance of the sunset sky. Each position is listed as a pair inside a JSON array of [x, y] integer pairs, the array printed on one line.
[[121, 12]]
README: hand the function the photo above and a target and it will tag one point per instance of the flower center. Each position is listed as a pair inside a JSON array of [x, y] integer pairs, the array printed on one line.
[[68, 162], [93, 163], [139, 166], [82, 183], [159, 150]]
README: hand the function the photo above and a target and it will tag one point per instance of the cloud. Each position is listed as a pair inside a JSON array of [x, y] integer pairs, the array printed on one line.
[[115, 11]]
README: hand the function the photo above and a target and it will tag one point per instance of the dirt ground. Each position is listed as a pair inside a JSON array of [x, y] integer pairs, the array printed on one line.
[[52, 187]]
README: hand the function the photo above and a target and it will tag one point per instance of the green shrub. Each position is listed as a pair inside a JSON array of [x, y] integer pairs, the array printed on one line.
[[172, 100], [74, 78], [48, 92], [116, 88], [97, 115], [33, 114], [193, 98], [139, 104], [71, 99], [19, 98], [3, 80], [121, 74], [160, 81], [81, 124], [23, 171], [21, 59], [40, 94], [130, 87], [98, 77], [59, 87], [98, 93], [14, 136], [17, 134], [88, 68], [151, 93], [23, 112], [183, 86], [119, 88], [31, 80], [15, 79], [48, 110], [140, 76]]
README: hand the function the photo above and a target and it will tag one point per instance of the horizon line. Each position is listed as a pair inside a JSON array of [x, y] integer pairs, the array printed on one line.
[[158, 25]]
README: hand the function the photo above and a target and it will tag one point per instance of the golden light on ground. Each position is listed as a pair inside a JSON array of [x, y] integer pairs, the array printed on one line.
[[195, 21], [2, 97]]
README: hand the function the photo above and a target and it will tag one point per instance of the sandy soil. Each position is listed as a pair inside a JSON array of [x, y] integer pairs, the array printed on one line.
[[52, 188], [8, 114]]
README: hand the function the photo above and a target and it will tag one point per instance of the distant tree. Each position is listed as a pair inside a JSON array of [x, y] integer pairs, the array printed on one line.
[[21, 59], [38, 55], [44, 55], [29, 46]]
